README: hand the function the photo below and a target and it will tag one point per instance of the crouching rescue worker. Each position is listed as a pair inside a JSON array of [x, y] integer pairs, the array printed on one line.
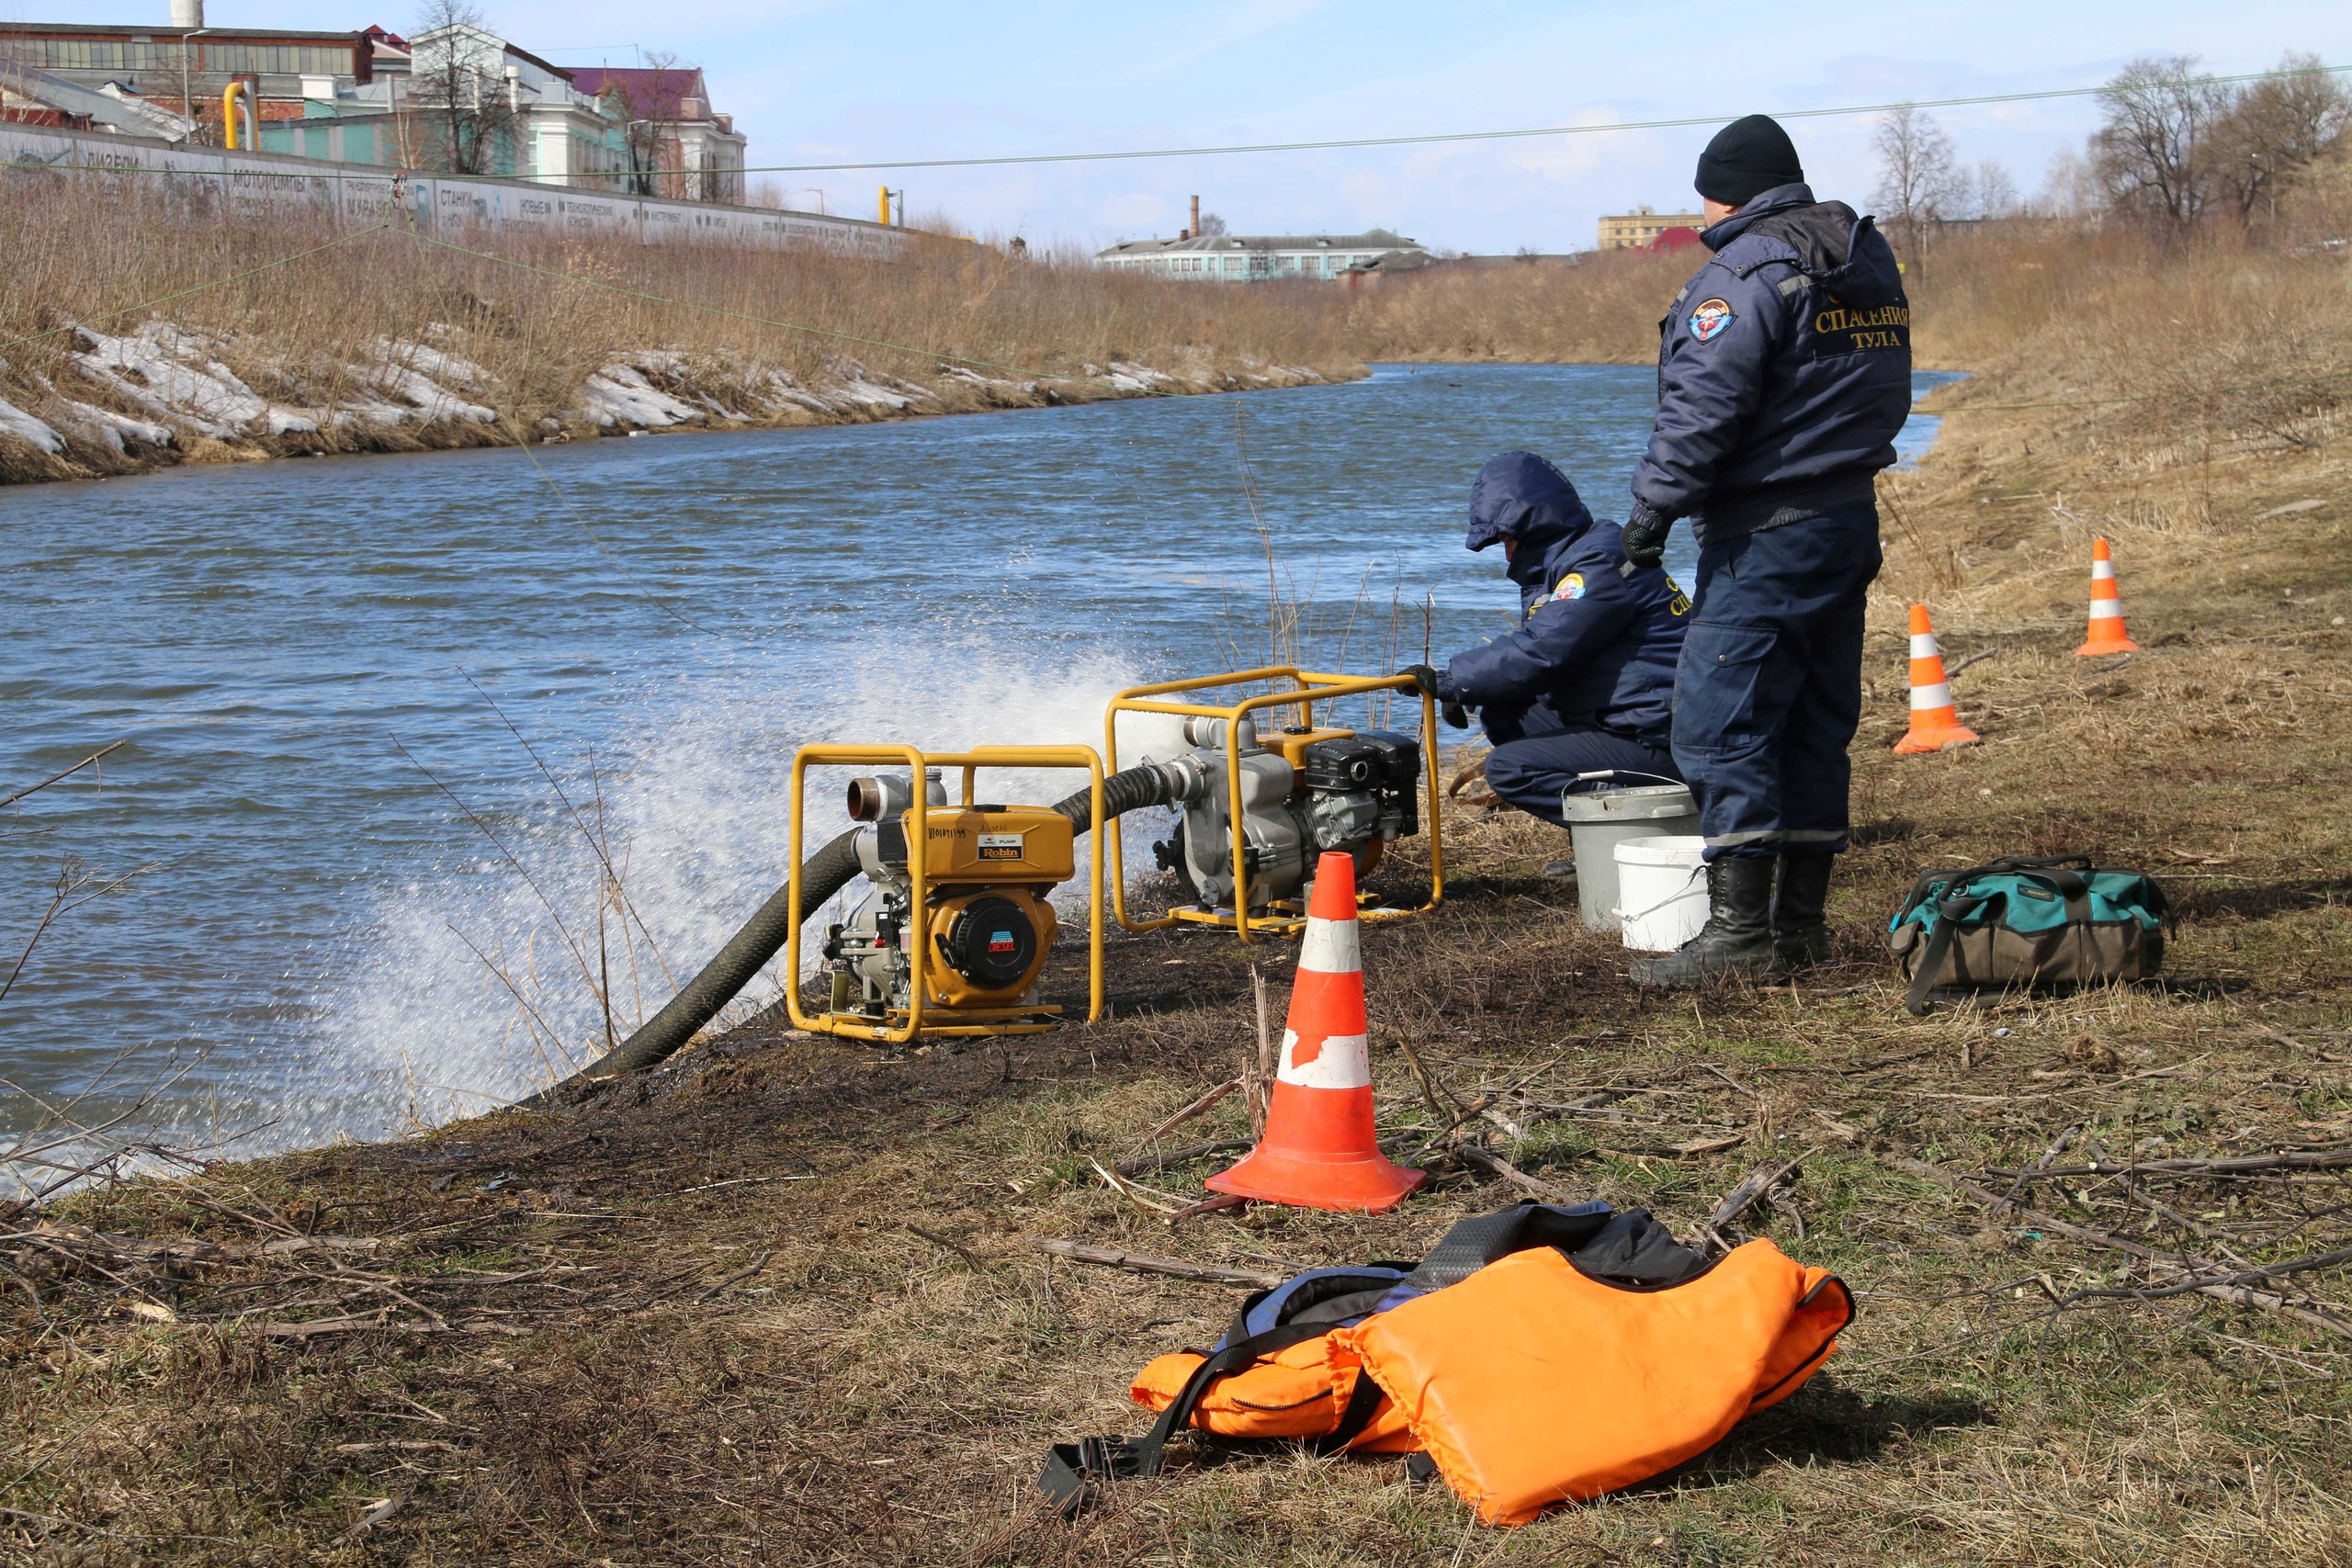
[[1583, 685], [1784, 374]]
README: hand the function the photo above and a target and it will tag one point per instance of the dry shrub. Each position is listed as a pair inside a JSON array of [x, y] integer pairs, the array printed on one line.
[[1602, 312], [2158, 353]]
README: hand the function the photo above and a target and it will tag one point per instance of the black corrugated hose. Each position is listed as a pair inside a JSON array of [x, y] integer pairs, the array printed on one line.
[[823, 874]]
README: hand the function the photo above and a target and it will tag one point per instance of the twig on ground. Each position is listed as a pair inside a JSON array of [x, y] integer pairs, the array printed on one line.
[[1143, 1162], [1176, 1267], [957, 1248], [2222, 1289], [1181, 1117], [1500, 1167], [1744, 1197], [1261, 1079]]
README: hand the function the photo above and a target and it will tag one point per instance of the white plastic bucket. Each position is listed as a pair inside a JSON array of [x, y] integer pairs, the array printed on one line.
[[1598, 821], [1661, 891]]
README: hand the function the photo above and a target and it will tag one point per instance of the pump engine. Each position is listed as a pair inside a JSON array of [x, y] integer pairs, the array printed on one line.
[[988, 871], [1304, 791]]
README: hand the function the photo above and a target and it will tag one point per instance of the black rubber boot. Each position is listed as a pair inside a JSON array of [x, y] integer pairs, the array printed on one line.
[[1800, 934], [1737, 939]]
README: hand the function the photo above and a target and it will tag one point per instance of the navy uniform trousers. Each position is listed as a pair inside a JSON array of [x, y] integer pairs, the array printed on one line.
[[1536, 759], [1770, 687]]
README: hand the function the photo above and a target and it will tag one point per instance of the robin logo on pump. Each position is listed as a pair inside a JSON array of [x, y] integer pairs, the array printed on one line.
[[1711, 320]]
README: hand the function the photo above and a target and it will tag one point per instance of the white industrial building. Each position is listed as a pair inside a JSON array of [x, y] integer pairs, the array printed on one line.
[[1259, 258]]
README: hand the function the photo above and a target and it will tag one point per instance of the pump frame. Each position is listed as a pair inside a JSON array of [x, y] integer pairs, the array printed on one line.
[[1308, 687], [993, 1020]]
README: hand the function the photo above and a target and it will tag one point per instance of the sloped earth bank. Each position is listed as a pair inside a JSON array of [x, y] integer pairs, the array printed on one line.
[[159, 395], [783, 1302]]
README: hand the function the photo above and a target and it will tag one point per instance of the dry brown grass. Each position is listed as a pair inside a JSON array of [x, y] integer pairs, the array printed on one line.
[[1602, 312], [1035, 330], [871, 1393]]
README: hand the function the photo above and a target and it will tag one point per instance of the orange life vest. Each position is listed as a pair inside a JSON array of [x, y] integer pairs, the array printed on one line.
[[1529, 1381]]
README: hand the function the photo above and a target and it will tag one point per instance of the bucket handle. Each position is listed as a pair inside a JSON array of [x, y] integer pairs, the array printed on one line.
[[1697, 872]]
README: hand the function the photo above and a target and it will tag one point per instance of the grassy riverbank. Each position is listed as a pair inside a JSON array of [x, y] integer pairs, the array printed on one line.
[[783, 1302], [383, 341]]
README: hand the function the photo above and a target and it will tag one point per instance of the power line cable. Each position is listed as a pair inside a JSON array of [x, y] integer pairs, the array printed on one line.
[[1434, 139], [1682, 123]]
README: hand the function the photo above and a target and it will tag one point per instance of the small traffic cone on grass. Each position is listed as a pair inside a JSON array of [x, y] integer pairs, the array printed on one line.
[[2107, 633], [1319, 1151], [1935, 723]]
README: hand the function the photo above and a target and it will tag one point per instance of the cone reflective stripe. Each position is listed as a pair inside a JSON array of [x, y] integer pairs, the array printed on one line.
[[2107, 633], [1319, 1150], [1935, 722]]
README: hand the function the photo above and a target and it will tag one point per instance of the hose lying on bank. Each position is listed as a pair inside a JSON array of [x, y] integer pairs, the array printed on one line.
[[823, 874]]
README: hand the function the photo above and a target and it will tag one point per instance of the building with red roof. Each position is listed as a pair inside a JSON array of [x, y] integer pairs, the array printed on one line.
[[678, 145]]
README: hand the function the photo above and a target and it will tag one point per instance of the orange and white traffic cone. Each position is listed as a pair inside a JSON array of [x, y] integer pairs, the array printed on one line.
[[2107, 633], [1319, 1151], [1935, 723]]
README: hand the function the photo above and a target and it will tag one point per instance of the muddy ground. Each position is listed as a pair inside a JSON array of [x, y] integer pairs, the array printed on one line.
[[785, 1301]]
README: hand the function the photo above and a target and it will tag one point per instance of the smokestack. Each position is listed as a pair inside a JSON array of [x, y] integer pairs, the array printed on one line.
[[1197, 210], [187, 15]]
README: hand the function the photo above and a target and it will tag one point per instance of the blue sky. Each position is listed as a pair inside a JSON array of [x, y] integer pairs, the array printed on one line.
[[813, 81]]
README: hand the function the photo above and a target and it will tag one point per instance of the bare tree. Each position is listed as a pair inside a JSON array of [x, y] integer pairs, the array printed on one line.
[[2274, 129], [461, 90], [2069, 187], [2153, 151], [1991, 192], [646, 106], [1211, 224], [1919, 180]]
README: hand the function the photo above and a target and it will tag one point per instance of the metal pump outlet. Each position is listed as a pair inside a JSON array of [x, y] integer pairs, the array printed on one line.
[[1304, 792], [988, 925]]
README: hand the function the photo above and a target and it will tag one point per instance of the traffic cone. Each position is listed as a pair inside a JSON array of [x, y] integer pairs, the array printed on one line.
[[2107, 633], [1319, 1151], [1935, 723]]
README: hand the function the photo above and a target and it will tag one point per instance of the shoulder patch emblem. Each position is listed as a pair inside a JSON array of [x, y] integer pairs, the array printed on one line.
[[1710, 320], [1571, 587]]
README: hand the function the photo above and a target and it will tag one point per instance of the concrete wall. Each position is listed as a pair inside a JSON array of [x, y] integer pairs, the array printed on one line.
[[266, 184]]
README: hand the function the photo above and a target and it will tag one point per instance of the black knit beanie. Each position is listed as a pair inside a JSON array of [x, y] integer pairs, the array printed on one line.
[[1748, 158]]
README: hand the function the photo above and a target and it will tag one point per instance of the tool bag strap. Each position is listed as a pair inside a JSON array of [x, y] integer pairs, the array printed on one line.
[[2063, 875], [1071, 1466]]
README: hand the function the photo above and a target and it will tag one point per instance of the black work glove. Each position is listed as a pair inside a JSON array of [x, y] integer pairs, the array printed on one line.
[[1644, 537], [1432, 685]]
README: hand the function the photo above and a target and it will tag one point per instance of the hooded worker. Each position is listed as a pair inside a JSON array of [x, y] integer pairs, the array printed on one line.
[[1585, 684]]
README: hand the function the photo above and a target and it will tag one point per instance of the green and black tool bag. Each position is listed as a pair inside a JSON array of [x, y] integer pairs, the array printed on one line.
[[2027, 923]]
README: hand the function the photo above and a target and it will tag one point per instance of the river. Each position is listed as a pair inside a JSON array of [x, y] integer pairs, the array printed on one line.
[[344, 856]]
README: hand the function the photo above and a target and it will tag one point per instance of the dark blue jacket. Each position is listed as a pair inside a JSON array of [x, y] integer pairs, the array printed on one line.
[[1783, 372], [1594, 645]]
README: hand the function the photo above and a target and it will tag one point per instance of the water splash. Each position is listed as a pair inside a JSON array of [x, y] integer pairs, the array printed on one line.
[[472, 983]]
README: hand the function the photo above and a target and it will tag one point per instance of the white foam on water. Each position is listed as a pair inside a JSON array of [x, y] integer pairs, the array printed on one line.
[[416, 1027]]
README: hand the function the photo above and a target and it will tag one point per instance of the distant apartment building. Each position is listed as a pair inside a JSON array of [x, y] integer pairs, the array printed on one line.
[[1259, 258], [1640, 229], [677, 145]]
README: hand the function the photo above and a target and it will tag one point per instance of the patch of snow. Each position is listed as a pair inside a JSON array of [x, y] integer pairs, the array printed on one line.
[[1130, 378], [160, 367], [16, 422], [111, 427], [446, 368], [861, 391], [619, 394], [422, 397]]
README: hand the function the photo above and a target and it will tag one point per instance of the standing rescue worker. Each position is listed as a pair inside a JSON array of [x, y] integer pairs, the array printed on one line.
[[1784, 373], [1583, 685]]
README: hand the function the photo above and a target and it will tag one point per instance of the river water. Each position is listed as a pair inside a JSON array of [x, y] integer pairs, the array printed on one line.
[[363, 907]]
